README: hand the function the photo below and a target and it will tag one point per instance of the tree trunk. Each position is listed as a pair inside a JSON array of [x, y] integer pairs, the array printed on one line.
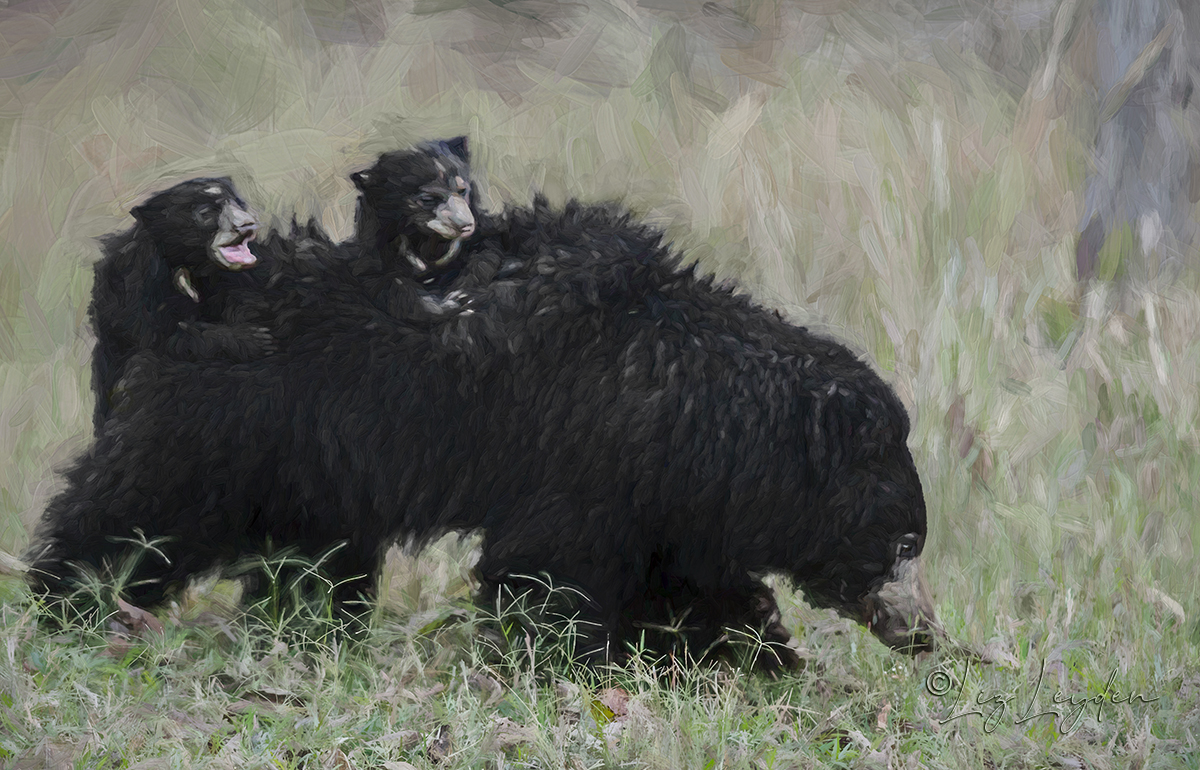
[[1137, 226]]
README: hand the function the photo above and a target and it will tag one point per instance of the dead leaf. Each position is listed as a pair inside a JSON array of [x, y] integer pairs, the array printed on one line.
[[440, 745], [118, 647], [569, 704], [876, 760], [613, 704], [566, 690], [49, 754], [1162, 601], [612, 734], [240, 706], [995, 653], [506, 734], [627, 716], [182, 724], [398, 766], [338, 760], [278, 695], [421, 695], [405, 739], [882, 716], [491, 690], [135, 619]]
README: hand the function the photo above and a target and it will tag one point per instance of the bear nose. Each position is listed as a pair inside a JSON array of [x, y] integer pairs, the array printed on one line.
[[241, 219], [459, 215]]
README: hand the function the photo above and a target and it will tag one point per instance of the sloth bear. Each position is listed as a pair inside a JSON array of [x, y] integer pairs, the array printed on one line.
[[605, 417], [416, 214], [171, 284]]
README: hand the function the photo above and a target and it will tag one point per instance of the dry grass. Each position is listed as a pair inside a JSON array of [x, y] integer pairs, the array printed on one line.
[[910, 204]]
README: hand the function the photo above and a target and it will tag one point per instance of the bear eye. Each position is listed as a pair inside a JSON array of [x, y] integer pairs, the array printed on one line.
[[425, 199], [907, 547], [205, 211]]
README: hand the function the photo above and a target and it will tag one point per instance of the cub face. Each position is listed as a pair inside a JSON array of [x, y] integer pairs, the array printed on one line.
[[424, 196], [199, 223]]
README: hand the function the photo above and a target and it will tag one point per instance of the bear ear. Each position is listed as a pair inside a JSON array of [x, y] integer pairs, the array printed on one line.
[[361, 179], [458, 148]]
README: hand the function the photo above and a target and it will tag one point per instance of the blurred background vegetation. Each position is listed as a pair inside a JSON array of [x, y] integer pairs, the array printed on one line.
[[908, 177]]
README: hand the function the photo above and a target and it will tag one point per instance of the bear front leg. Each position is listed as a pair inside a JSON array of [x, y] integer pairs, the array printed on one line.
[[745, 605], [542, 552], [238, 342]]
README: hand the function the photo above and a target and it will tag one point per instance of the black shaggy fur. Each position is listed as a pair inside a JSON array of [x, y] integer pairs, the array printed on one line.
[[605, 417], [416, 217], [160, 287]]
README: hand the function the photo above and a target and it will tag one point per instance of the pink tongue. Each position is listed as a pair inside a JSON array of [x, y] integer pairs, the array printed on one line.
[[238, 255]]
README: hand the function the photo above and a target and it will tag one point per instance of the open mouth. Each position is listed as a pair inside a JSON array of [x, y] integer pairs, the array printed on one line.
[[234, 252]]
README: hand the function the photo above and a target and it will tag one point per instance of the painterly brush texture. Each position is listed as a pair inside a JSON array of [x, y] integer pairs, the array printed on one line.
[[605, 417], [415, 212], [909, 176], [170, 285]]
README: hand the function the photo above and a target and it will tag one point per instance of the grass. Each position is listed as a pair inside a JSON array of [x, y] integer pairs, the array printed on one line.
[[914, 205]]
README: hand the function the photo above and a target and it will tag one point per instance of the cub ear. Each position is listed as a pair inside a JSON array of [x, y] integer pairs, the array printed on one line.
[[361, 179], [458, 148]]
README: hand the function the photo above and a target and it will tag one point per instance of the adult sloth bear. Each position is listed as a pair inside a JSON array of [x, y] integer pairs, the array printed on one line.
[[170, 284], [606, 417]]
